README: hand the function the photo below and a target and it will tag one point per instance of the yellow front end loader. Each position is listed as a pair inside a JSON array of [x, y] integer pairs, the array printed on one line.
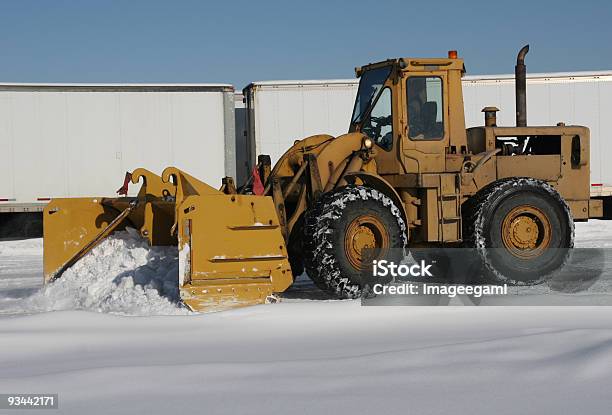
[[408, 174]]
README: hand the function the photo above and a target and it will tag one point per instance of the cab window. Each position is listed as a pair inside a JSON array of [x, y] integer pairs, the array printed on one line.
[[425, 108], [379, 124]]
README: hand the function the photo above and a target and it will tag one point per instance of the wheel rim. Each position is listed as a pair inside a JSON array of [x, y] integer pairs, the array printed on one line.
[[526, 232], [364, 232]]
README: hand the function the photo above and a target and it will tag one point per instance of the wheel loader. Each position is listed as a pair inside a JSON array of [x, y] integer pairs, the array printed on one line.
[[407, 174]]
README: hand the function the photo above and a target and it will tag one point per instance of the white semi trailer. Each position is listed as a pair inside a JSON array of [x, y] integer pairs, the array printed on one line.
[[279, 112], [74, 140], [70, 140]]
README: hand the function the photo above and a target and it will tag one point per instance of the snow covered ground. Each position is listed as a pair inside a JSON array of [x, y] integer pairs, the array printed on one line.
[[304, 355]]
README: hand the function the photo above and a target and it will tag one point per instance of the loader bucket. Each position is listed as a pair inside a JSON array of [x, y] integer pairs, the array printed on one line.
[[231, 248]]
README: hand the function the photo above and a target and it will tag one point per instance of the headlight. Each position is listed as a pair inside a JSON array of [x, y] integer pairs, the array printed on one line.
[[367, 143]]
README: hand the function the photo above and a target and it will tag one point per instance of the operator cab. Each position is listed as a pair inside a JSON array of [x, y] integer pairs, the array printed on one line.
[[409, 99]]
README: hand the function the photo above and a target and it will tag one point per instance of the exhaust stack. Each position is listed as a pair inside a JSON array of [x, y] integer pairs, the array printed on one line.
[[520, 81]]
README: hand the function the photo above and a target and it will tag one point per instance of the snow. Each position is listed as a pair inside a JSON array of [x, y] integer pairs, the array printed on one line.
[[324, 357], [122, 275], [307, 354], [20, 272]]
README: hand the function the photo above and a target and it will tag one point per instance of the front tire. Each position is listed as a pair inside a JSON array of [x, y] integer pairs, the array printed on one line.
[[521, 229], [339, 226]]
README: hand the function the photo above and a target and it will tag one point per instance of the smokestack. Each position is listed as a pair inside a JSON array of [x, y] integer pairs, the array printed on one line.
[[490, 116], [520, 81]]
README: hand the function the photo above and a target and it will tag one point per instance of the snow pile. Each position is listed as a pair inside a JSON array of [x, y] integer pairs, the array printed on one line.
[[122, 275]]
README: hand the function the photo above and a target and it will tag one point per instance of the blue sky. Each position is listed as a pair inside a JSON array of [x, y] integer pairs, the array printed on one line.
[[237, 42]]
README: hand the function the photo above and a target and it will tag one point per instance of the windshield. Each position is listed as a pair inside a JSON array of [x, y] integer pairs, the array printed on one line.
[[370, 85]]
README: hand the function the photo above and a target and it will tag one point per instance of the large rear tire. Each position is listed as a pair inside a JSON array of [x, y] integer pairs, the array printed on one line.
[[340, 225], [521, 229]]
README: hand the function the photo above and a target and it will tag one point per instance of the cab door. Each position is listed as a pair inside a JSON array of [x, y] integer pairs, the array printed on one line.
[[382, 126], [425, 132]]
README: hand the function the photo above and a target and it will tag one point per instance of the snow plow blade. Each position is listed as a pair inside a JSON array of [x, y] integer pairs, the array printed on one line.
[[230, 246]]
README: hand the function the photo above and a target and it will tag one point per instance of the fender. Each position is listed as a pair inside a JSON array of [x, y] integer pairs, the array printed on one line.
[[376, 182]]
